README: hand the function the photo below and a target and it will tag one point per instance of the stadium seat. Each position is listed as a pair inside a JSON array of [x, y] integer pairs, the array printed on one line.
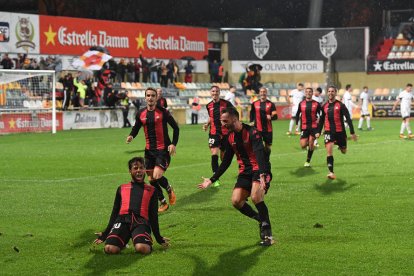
[[355, 92], [341, 92], [283, 92], [391, 55]]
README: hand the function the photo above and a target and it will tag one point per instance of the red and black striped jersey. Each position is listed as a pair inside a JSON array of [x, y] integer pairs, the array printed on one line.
[[332, 118], [258, 114], [155, 128], [135, 201], [162, 102], [214, 110], [308, 112], [248, 146]]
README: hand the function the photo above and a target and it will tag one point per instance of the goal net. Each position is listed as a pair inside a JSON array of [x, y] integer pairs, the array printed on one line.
[[28, 101]]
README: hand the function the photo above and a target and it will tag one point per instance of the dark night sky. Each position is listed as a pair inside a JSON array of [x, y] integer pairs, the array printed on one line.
[[218, 13]]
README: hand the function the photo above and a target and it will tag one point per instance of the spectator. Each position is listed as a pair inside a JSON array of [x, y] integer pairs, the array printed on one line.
[[214, 70], [220, 73], [164, 74], [176, 71], [170, 73], [125, 109], [120, 70], [6, 62], [130, 71], [154, 66], [67, 82], [195, 109], [188, 72], [145, 69], [137, 68], [80, 92]]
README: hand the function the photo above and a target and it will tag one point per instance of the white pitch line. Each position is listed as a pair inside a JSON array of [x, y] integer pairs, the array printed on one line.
[[277, 155]]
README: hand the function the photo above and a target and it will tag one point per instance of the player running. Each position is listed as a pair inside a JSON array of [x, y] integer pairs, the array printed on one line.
[[217, 131], [262, 113], [308, 113], [332, 119], [405, 98], [297, 96], [254, 177], [364, 99], [159, 148]]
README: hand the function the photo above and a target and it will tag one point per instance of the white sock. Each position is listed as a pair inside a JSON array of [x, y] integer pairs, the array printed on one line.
[[369, 122], [407, 126], [291, 124], [402, 128], [361, 120]]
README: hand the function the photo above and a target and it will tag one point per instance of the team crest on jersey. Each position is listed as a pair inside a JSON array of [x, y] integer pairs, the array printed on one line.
[[328, 44], [261, 45]]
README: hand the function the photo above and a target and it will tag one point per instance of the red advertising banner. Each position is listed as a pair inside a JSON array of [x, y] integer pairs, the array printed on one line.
[[284, 111], [74, 36], [29, 122]]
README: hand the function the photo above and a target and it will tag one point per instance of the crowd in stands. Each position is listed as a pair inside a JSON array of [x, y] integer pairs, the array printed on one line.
[[23, 62]]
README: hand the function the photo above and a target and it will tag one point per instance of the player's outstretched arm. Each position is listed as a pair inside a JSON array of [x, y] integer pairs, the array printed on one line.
[[206, 183], [129, 139]]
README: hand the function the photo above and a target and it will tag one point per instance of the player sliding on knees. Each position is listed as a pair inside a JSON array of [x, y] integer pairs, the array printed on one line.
[[254, 176], [134, 215], [158, 148], [332, 119], [308, 113]]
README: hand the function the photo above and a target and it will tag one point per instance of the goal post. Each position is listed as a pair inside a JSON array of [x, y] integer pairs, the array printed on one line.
[[28, 101]]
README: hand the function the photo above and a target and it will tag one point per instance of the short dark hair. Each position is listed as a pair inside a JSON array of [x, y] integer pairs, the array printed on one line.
[[231, 111], [214, 86], [232, 86], [150, 89], [334, 87], [319, 89], [311, 89], [365, 87], [409, 84], [348, 86], [134, 160]]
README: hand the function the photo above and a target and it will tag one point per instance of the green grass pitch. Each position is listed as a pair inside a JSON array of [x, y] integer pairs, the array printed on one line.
[[57, 190]]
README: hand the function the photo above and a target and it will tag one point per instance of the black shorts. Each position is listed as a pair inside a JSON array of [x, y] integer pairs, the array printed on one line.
[[159, 158], [244, 181], [214, 141], [139, 231], [267, 137], [338, 138], [305, 133]]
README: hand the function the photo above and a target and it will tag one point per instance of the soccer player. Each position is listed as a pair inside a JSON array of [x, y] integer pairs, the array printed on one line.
[[217, 131], [405, 98], [347, 101], [332, 119], [317, 96], [134, 215], [158, 148], [254, 175], [297, 96], [308, 112], [262, 113], [161, 101], [364, 98]]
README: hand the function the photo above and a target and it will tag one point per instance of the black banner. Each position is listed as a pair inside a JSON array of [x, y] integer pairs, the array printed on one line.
[[391, 66], [384, 110], [345, 46]]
